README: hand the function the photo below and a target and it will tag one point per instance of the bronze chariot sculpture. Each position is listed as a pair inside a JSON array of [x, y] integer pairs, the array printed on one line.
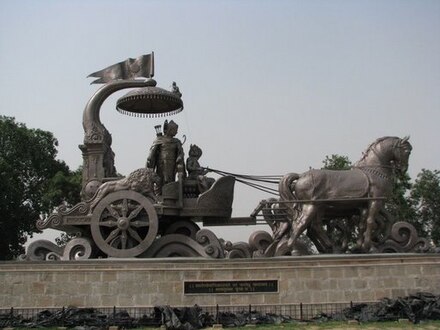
[[154, 211]]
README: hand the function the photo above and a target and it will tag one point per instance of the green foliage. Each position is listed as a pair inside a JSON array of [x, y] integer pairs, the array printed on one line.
[[418, 203], [63, 239], [336, 162], [399, 205], [63, 187], [425, 199], [31, 180]]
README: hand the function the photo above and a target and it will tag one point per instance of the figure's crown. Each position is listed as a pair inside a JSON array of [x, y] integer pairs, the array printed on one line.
[[169, 124], [195, 151], [172, 124]]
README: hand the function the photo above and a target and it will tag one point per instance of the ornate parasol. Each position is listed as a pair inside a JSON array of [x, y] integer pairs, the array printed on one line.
[[151, 101]]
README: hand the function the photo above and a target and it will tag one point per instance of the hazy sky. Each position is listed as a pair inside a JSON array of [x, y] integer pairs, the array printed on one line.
[[269, 87]]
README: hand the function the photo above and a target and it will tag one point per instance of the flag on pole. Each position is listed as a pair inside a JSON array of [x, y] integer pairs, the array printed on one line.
[[143, 66]]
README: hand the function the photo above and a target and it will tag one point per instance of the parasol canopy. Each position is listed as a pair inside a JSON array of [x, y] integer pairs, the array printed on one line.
[[151, 101]]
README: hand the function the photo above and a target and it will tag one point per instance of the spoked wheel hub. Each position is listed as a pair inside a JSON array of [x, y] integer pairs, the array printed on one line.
[[124, 224]]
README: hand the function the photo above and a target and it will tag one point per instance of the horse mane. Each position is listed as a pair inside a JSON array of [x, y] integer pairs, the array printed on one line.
[[372, 145]]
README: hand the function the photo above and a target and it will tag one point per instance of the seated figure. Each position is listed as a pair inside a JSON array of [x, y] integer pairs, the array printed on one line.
[[195, 171]]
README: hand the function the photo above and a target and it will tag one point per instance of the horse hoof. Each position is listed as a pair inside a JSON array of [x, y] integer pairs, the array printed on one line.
[[373, 250], [357, 250]]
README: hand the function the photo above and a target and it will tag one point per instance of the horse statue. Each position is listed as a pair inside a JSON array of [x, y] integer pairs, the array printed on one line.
[[311, 195]]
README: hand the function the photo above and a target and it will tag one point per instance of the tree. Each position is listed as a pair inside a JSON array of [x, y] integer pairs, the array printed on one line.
[[63, 187], [32, 182], [399, 204], [425, 200], [336, 162]]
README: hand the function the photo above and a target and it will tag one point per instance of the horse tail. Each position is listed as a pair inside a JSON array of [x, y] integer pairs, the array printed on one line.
[[268, 212], [286, 187]]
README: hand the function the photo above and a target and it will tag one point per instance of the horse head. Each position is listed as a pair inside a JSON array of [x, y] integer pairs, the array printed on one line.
[[387, 152], [402, 150]]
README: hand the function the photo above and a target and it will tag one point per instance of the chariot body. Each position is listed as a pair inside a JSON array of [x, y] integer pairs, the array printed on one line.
[[125, 223]]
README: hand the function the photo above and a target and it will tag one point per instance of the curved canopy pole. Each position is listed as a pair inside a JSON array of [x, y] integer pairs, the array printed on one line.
[[98, 156], [91, 121]]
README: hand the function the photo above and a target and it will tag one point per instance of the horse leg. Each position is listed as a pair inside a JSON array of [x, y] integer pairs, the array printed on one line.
[[373, 211], [362, 227], [320, 239], [313, 235], [318, 235], [309, 211]]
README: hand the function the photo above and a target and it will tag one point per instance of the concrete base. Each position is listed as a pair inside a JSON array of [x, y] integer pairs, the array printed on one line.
[[141, 282]]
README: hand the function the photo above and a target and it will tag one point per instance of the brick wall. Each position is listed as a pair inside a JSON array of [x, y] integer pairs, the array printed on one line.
[[137, 282]]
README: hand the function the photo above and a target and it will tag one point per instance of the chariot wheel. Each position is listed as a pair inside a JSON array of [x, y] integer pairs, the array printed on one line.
[[124, 224]]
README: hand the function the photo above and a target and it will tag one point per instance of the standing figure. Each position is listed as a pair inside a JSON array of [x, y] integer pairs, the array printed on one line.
[[166, 154]]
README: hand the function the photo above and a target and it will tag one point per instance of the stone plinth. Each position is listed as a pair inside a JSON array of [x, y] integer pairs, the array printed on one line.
[[141, 282]]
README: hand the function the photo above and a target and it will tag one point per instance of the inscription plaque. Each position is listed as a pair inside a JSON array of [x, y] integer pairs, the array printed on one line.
[[228, 287]]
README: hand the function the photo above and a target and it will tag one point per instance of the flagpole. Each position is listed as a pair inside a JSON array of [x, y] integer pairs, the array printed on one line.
[[152, 65]]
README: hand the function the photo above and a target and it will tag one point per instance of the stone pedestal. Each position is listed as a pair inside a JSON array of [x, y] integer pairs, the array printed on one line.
[[141, 282]]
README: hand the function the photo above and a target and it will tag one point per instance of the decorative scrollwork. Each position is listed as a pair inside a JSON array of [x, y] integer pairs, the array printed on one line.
[[53, 220], [174, 245], [79, 209], [259, 241], [404, 238], [43, 250], [95, 133], [238, 250], [183, 227], [52, 256], [263, 245], [78, 249], [75, 249], [211, 243], [56, 219]]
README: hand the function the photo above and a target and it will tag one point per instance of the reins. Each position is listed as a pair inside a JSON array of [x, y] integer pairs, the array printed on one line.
[[259, 182]]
